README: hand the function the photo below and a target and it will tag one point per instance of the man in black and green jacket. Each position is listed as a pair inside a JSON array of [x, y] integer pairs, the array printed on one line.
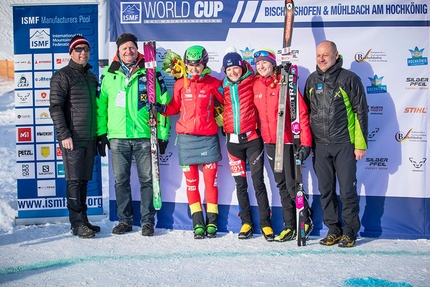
[[338, 118]]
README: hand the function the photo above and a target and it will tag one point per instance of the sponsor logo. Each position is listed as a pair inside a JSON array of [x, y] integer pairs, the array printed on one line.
[[23, 82], [372, 134], [27, 152], [375, 110], [41, 97], [24, 135], [131, 12], [370, 56], [40, 38], [25, 170], [23, 96], [42, 61], [165, 157], [45, 151], [417, 83], [378, 163], [418, 163], [412, 136], [417, 58], [171, 12], [60, 170], [376, 86], [415, 110], [58, 151], [24, 152]]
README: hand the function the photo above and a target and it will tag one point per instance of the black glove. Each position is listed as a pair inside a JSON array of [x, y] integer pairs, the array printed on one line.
[[162, 145], [160, 107], [303, 153], [102, 142]]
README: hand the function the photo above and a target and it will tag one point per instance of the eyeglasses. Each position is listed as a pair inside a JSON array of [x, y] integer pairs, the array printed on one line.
[[80, 49], [264, 54]]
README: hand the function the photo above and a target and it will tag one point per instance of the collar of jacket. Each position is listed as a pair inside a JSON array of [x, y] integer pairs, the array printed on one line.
[[77, 66], [269, 81], [115, 66], [333, 69]]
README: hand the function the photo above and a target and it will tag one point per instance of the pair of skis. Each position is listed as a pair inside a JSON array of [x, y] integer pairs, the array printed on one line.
[[288, 86], [149, 50]]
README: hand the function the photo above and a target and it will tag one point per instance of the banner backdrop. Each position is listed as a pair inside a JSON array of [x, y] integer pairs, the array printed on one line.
[[41, 41], [385, 42]]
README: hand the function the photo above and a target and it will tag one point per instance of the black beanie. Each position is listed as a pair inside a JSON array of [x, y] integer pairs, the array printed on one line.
[[76, 41], [125, 38]]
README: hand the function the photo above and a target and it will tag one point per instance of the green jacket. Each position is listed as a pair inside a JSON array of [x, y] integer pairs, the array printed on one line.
[[121, 107]]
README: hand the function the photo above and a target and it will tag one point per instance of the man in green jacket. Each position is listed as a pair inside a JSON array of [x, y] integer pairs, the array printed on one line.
[[122, 125]]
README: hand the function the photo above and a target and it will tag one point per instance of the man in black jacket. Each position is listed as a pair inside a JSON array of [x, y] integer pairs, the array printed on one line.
[[338, 117], [73, 111]]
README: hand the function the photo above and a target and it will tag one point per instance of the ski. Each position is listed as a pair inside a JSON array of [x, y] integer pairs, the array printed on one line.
[[149, 51], [295, 128], [284, 83], [288, 82]]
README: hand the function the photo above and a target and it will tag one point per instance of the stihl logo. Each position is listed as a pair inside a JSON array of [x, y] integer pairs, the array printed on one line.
[[415, 110], [24, 134]]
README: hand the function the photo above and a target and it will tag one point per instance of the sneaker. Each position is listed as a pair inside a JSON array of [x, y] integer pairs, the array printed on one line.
[[82, 231], [286, 235], [246, 231], [346, 241], [147, 229], [122, 228], [94, 228], [199, 231], [308, 230], [268, 233], [330, 239], [211, 230]]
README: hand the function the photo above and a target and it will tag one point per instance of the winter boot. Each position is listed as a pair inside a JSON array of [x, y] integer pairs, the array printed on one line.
[[82, 231], [268, 233], [199, 225], [346, 241], [211, 224], [286, 235], [211, 230], [246, 231]]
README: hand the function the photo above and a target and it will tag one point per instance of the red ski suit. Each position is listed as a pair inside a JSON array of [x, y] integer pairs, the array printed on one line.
[[266, 99], [195, 105]]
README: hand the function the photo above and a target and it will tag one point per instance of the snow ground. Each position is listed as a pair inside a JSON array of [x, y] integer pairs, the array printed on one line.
[[49, 255]]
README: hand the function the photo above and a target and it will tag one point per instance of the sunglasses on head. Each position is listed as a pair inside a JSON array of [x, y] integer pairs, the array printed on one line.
[[263, 54], [80, 49]]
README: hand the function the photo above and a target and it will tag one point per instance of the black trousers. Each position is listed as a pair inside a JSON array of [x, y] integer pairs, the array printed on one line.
[[254, 151], [286, 183], [78, 167], [331, 161]]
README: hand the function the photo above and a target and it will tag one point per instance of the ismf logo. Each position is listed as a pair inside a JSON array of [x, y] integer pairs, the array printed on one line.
[[131, 12], [24, 135], [40, 38], [376, 86], [417, 58]]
